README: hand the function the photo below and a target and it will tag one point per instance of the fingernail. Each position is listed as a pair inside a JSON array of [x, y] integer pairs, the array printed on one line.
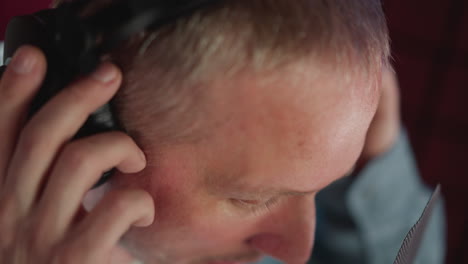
[[105, 73], [143, 156], [144, 222], [22, 62]]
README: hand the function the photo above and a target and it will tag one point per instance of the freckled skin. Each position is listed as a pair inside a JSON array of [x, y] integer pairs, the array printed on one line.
[[299, 135]]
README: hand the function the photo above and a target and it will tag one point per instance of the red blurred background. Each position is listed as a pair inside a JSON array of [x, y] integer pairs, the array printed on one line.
[[430, 49]]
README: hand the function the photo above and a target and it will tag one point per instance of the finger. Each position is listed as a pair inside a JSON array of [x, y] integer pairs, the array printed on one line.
[[18, 85], [98, 234], [79, 166], [51, 127], [385, 126]]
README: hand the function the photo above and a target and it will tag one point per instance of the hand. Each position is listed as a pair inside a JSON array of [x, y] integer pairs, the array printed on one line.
[[44, 175], [385, 126]]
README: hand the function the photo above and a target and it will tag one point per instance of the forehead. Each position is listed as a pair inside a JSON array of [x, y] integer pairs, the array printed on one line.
[[297, 131]]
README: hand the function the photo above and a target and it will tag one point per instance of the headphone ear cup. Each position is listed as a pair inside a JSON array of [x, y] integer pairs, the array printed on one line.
[[35, 30], [24, 30], [39, 30]]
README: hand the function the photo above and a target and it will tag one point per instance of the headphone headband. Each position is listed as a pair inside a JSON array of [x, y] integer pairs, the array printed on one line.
[[83, 39]]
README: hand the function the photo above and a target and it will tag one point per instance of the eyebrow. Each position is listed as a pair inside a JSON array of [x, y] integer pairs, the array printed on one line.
[[255, 192], [296, 193], [258, 192], [275, 192]]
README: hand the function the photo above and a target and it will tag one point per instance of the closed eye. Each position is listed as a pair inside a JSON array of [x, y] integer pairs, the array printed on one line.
[[256, 206]]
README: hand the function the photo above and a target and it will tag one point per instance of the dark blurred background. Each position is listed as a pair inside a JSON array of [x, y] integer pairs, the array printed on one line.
[[430, 50]]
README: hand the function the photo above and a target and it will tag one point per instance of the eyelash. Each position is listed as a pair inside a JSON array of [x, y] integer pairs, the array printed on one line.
[[257, 209]]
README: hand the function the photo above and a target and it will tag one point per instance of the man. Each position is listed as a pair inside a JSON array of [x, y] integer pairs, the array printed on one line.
[[237, 116]]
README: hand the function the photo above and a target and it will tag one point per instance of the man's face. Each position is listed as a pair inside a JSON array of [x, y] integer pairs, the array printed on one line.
[[248, 186]]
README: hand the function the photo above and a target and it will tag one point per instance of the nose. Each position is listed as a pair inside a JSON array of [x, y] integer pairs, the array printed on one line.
[[288, 234]]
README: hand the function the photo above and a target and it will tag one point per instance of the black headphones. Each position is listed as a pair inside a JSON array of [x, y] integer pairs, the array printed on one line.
[[73, 45]]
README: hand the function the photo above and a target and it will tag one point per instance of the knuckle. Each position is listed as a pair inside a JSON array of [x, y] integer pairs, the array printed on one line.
[[65, 255], [76, 155], [31, 142]]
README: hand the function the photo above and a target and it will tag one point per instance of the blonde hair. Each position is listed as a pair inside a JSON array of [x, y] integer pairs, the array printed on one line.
[[235, 36]]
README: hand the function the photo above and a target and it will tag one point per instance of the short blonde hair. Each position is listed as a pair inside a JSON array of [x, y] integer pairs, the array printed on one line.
[[233, 36]]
